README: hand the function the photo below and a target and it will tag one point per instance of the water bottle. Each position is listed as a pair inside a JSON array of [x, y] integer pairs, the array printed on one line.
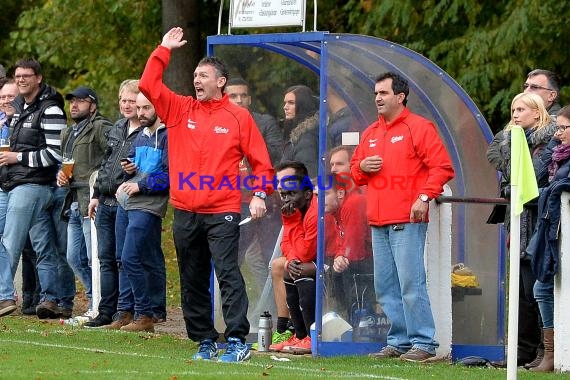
[[264, 332], [75, 321]]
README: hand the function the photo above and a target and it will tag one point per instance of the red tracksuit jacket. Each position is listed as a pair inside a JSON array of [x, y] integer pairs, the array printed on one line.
[[414, 162], [206, 142], [300, 234]]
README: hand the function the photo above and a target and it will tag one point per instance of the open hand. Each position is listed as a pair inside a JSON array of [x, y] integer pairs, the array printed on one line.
[[173, 38]]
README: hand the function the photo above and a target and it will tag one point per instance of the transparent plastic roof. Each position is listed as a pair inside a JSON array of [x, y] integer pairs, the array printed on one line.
[[349, 64]]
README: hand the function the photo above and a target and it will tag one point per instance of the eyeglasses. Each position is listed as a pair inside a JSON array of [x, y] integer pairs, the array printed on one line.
[[562, 128], [7, 97], [535, 87], [24, 76]]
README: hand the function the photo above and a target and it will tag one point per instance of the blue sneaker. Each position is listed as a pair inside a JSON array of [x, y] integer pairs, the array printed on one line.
[[207, 350], [235, 352]]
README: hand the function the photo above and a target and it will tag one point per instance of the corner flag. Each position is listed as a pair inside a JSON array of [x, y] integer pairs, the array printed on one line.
[[522, 171]]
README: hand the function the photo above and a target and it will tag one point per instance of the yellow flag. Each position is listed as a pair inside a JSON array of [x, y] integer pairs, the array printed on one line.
[[522, 171]]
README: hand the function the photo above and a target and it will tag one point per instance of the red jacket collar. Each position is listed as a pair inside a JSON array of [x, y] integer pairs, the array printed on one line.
[[405, 112]]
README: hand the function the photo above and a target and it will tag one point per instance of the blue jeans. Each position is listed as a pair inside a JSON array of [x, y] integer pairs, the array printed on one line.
[[400, 284], [25, 210], [5, 260], [79, 247], [139, 240], [544, 295], [65, 273], [108, 268]]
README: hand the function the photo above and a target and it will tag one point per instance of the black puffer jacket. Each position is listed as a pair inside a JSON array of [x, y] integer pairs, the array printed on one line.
[[30, 131]]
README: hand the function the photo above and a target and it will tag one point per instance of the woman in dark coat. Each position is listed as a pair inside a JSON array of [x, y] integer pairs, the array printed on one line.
[[556, 167], [301, 127]]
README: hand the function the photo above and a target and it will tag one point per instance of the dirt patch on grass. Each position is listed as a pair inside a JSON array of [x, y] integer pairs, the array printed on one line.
[[174, 324]]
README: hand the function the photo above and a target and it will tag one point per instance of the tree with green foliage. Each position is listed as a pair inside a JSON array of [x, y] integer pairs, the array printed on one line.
[[487, 46], [98, 44]]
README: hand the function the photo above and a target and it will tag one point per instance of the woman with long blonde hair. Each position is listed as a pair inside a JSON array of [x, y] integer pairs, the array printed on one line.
[[528, 112]]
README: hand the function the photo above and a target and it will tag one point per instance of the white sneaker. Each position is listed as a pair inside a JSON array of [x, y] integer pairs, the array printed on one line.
[[91, 314]]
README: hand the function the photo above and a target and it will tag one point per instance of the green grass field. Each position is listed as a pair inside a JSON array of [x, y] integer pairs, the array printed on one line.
[[34, 349]]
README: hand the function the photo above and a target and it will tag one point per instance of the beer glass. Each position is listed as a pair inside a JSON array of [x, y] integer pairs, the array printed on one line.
[[67, 165], [4, 145]]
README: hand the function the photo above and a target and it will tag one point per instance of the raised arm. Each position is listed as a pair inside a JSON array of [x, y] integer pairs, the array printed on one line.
[[165, 101], [173, 38]]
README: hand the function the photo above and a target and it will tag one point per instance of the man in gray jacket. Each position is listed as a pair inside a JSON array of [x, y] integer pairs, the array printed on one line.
[[84, 142]]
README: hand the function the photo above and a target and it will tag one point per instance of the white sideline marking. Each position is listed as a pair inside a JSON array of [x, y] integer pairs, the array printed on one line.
[[96, 350], [221, 372]]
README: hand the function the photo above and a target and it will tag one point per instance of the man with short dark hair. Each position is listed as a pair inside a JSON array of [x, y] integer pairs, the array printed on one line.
[[238, 92], [545, 84], [299, 247], [143, 199], [207, 138], [28, 171], [257, 240], [405, 164], [85, 142]]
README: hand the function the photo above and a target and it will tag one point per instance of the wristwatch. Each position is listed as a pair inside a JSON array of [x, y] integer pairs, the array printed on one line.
[[424, 198], [19, 157], [260, 194]]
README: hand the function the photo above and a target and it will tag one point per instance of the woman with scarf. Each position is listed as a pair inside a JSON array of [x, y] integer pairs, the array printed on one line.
[[528, 112], [543, 246]]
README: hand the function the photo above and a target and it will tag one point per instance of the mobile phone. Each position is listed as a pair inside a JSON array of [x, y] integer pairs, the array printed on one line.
[[398, 227], [126, 160]]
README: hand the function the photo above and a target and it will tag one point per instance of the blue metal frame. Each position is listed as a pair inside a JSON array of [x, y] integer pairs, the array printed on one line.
[[317, 41]]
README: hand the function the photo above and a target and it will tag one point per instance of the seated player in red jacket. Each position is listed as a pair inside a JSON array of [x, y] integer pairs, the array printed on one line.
[[299, 247], [352, 267]]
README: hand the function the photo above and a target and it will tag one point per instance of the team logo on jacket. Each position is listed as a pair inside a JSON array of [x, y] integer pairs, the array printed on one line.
[[372, 143], [229, 218], [395, 139], [191, 124], [221, 130]]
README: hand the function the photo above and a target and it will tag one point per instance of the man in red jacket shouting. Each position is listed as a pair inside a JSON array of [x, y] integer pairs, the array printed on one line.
[[404, 163], [208, 136]]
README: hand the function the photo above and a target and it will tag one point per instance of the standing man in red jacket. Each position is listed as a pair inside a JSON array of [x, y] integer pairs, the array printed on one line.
[[207, 138], [404, 163]]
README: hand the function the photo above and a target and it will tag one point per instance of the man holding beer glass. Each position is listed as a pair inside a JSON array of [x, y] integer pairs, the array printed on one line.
[[83, 145], [27, 172]]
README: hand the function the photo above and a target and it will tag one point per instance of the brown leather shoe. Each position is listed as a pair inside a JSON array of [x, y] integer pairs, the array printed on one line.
[[416, 355], [142, 323], [536, 362], [7, 307], [66, 312], [120, 319], [48, 309], [386, 352], [158, 320]]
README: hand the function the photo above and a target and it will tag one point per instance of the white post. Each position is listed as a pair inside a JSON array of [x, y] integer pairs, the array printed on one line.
[[95, 272], [437, 260], [513, 306], [562, 292], [18, 283]]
